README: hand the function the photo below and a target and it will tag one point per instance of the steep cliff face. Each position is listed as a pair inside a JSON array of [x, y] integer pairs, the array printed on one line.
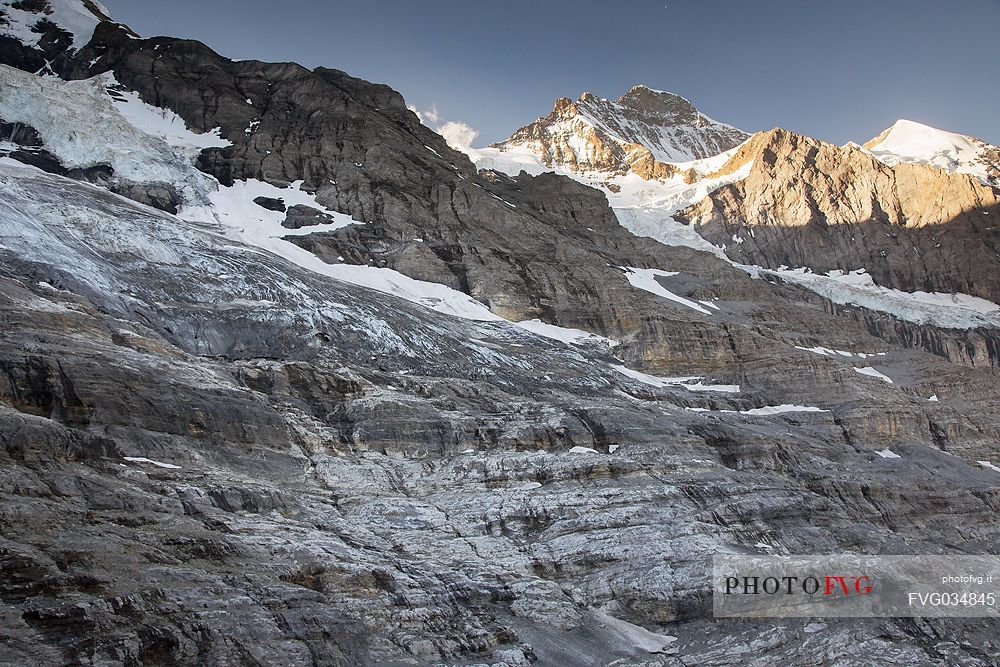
[[644, 131], [541, 247], [807, 203]]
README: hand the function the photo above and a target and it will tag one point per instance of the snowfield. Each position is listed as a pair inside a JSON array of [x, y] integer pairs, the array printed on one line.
[[908, 141], [950, 311], [162, 123], [645, 208], [645, 279], [67, 14], [567, 335]]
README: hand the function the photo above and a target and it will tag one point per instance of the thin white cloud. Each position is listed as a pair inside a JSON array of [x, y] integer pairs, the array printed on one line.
[[429, 117], [459, 135]]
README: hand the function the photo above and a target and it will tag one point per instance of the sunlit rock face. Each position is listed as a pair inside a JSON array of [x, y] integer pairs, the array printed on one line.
[[646, 132], [808, 203]]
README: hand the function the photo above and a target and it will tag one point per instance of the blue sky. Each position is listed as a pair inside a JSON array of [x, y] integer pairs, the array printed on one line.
[[834, 70]]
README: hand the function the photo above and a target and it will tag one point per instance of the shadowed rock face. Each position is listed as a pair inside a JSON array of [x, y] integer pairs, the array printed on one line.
[[531, 247], [644, 132], [813, 204], [209, 455]]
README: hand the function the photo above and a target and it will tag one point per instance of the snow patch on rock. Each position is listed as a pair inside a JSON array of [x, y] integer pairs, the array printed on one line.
[[158, 464], [645, 279], [989, 466], [827, 352], [565, 334], [765, 411], [162, 123], [691, 383], [871, 372]]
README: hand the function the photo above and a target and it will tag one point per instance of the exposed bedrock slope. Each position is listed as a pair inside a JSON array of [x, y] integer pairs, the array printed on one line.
[[811, 204], [280, 467]]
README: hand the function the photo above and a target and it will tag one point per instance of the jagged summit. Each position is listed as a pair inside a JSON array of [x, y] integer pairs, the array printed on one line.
[[645, 131], [643, 99]]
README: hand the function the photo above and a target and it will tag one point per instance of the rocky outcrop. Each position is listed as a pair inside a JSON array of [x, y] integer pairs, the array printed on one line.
[[643, 132], [300, 215], [807, 203], [978, 347]]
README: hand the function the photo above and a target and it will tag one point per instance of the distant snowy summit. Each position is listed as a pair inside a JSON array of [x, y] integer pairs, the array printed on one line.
[[659, 135], [911, 142], [647, 132]]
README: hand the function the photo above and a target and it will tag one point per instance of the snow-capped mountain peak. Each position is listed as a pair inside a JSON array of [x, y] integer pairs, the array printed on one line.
[[645, 131], [909, 141], [28, 22]]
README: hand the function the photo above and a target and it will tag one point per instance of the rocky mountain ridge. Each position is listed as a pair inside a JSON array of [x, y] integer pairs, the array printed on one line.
[[645, 132], [865, 232], [807, 203]]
